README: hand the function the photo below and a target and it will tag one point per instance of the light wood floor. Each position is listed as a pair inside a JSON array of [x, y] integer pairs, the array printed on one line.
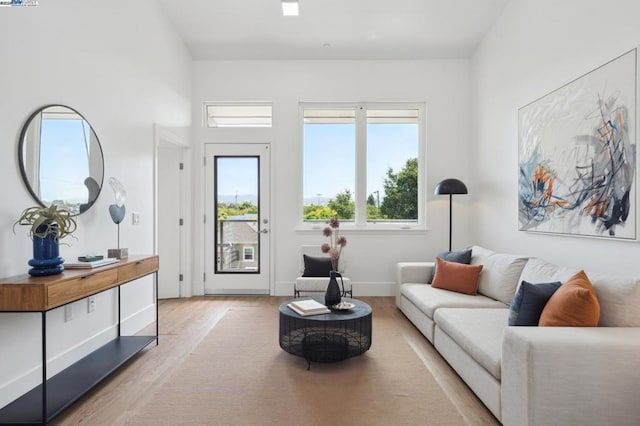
[[185, 322]]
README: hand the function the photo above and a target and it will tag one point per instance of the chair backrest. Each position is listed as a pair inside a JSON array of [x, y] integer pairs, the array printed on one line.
[[317, 252]]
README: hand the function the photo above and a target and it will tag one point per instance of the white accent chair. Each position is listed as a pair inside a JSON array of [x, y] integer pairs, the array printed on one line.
[[319, 284]]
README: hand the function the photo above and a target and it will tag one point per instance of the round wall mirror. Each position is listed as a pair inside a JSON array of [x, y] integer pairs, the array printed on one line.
[[61, 159]]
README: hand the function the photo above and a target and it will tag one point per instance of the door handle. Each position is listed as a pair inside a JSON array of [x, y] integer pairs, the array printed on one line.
[[265, 231]]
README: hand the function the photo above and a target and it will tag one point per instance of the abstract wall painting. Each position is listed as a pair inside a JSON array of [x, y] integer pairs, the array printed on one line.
[[577, 156]]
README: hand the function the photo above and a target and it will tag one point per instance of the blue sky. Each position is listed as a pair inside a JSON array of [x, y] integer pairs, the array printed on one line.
[[237, 175], [329, 165], [63, 144]]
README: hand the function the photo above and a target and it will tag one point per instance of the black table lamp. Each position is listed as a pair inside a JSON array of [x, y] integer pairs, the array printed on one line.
[[450, 187]]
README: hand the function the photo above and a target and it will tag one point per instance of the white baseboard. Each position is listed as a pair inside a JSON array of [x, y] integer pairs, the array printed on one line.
[[285, 288], [138, 320], [236, 291]]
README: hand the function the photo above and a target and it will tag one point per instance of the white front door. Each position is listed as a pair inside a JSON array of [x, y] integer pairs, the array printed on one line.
[[237, 218]]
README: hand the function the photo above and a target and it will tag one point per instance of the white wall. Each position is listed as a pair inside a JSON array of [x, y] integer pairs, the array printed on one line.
[[371, 257], [536, 47], [122, 67]]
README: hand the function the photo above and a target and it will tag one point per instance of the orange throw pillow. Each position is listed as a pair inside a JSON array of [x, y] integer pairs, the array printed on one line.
[[456, 276], [574, 304]]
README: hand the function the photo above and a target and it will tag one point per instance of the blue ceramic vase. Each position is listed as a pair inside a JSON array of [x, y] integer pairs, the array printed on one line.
[[46, 255]]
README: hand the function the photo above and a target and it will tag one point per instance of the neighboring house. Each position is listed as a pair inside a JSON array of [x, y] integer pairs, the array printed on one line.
[[238, 242]]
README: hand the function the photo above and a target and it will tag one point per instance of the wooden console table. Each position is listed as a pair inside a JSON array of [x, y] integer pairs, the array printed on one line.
[[24, 293]]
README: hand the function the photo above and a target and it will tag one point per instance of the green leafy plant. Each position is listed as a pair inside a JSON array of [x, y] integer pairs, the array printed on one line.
[[55, 221]]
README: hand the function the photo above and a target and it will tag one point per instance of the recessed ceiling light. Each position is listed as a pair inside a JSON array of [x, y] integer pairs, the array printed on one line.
[[290, 8]]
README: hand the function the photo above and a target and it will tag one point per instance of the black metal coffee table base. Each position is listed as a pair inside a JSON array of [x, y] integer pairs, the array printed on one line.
[[325, 347], [327, 337]]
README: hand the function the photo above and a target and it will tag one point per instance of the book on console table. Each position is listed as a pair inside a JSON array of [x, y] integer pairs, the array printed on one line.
[[308, 307], [92, 264]]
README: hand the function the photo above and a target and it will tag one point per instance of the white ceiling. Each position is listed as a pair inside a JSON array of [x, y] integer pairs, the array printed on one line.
[[333, 29]]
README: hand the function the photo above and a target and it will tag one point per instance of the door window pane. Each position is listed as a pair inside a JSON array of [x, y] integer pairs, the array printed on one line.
[[237, 214]]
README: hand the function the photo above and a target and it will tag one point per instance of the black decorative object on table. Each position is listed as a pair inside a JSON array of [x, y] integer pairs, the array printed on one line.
[[332, 295], [333, 249]]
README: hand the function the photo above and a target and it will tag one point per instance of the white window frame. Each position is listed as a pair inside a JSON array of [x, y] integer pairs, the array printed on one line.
[[240, 104], [360, 195]]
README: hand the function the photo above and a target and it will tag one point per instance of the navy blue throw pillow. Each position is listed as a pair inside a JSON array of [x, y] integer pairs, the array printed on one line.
[[316, 266], [529, 301], [452, 256]]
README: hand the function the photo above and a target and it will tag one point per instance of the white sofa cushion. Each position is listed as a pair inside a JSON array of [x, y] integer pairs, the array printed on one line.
[[481, 382], [570, 376], [619, 299], [422, 321], [500, 274], [618, 296], [537, 271], [429, 299], [478, 332]]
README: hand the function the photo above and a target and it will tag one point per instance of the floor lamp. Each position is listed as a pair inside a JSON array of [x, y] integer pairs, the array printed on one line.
[[450, 187]]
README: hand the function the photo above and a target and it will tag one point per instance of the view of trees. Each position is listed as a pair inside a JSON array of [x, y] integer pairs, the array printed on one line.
[[315, 211], [343, 205], [225, 210], [400, 200], [401, 192]]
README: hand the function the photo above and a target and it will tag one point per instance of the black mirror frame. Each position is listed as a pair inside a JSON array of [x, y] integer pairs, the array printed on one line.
[[21, 159]]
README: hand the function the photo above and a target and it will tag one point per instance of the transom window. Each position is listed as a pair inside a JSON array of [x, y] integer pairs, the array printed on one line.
[[238, 114], [363, 163]]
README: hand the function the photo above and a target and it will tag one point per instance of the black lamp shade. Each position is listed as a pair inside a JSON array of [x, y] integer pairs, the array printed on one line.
[[451, 186]]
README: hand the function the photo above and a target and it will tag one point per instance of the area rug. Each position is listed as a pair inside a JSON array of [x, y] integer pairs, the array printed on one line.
[[239, 375]]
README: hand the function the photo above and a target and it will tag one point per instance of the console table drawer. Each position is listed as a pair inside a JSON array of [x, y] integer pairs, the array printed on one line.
[[77, 288], [137, 269]]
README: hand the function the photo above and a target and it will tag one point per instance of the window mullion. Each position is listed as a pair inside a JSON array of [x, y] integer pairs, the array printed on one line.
[[361, 166]]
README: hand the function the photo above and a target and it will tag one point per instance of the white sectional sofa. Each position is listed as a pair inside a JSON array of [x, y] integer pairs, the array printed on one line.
[[532, 375]]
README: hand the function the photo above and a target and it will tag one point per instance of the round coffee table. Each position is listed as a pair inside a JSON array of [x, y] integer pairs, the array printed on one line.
[[328, 337]]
